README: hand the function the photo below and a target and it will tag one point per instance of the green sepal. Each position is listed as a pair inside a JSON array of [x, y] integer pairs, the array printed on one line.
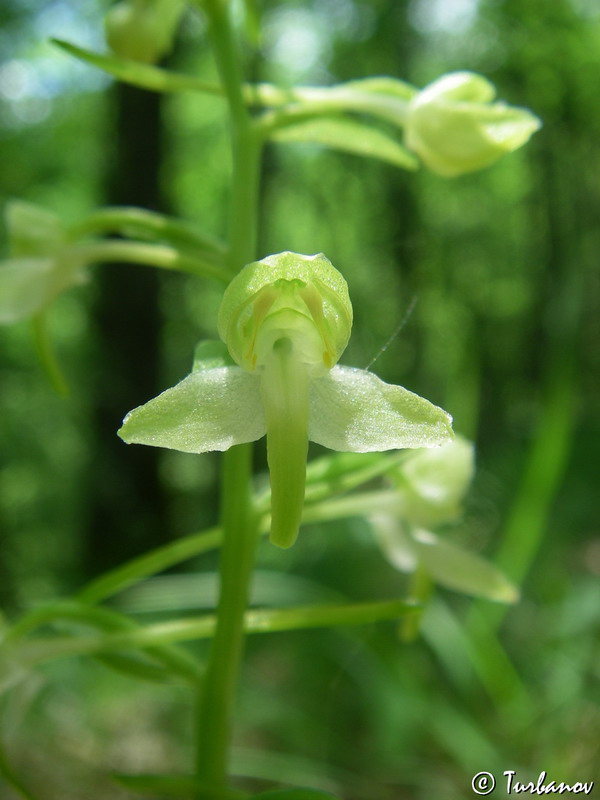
[[456, 568], [352, 409], [446, 562], [355, 136], [211, 409]]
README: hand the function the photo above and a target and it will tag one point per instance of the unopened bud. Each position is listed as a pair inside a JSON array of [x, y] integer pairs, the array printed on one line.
[[454, 126]]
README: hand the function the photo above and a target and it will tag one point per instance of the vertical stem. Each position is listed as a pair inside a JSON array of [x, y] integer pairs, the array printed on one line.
[[237, 562], [239, 520]]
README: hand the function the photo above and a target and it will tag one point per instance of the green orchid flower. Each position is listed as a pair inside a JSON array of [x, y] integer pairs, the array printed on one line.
[[429, 489], [286, 320], [41, 265], [455, 128]]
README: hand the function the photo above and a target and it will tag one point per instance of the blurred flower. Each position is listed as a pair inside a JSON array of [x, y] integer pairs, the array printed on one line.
[[454, 126], [430, 487], [41, 265]]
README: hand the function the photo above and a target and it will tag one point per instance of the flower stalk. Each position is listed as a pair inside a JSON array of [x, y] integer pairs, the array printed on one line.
[[240, 523]]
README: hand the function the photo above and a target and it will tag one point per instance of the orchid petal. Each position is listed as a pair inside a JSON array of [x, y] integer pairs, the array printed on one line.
[[211, 409], [353, 410], [455, 568]]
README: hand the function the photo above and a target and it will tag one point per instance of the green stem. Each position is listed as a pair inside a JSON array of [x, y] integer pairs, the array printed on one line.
[[315, 102], [106, 620], [240, 522], [47, 356], [159, 637], [134, 222], [240, 526], [161, 256], [247, 147]]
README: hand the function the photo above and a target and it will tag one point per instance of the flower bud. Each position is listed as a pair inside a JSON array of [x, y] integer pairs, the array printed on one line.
[[455, 128], [302, 299], [143, 30]]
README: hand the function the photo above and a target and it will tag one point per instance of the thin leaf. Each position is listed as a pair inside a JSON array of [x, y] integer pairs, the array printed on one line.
[[143, 75], [349, 135], [149, 564]]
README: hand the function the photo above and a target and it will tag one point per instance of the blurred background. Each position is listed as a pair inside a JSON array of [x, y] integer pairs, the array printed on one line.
[[502, 270]]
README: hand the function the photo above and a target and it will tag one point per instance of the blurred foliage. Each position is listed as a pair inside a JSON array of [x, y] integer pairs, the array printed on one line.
[[503, 267]]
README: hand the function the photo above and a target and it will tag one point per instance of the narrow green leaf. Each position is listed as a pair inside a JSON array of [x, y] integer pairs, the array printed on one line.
[[452, 566], [143, 75], [149, 564], [349, 135], [352, 409]]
